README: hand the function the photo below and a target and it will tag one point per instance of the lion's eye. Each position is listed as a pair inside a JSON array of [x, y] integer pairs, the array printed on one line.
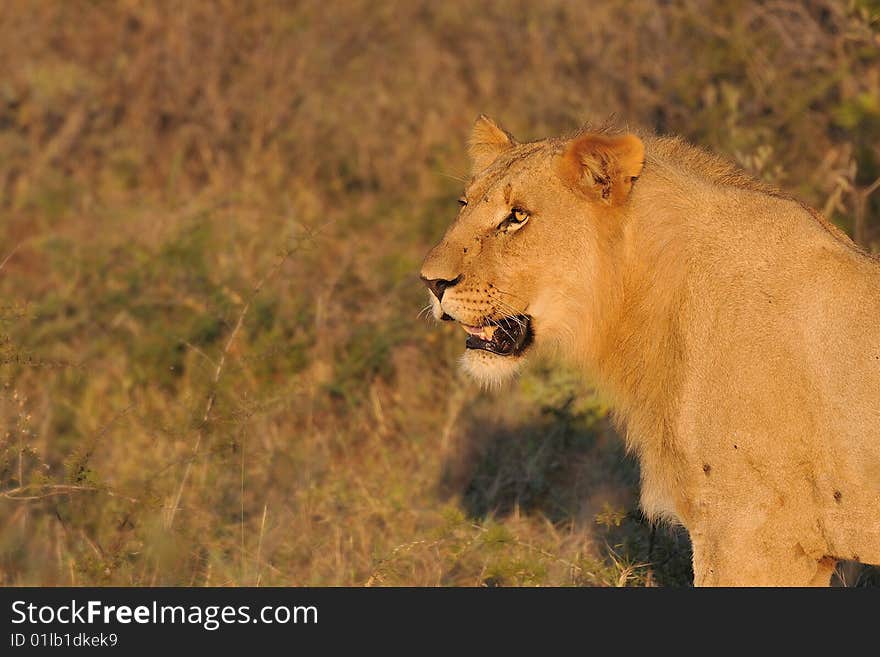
[[514, 221], [462, 201], [518, 216]]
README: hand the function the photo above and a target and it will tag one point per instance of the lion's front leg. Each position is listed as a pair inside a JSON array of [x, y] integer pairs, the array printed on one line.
[[725, 557]]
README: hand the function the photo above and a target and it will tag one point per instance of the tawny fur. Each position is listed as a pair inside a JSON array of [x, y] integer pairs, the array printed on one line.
[[735, 330]]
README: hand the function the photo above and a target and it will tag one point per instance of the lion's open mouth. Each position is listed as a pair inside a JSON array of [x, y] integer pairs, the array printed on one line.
[[506, 337]]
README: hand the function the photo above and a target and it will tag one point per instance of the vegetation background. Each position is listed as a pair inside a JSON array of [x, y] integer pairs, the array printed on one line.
[[212, 213]]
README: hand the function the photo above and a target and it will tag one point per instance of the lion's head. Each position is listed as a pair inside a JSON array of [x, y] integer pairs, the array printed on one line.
[[519, 266]]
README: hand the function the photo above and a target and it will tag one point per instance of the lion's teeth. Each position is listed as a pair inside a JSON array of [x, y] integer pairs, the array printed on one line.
[[482, 332]]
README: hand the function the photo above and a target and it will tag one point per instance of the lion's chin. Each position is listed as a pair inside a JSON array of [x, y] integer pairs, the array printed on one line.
[[488, 369]]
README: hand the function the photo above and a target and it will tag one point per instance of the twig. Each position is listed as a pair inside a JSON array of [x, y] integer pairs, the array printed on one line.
[[11, 253], [96, 547], [53, 490], [861, 209], [260, 544], [198, 351]]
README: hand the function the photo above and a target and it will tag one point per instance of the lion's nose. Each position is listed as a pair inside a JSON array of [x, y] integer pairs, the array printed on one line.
[[438, 285]]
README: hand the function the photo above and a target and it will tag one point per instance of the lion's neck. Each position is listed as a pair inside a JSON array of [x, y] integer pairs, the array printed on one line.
[[641, 350]]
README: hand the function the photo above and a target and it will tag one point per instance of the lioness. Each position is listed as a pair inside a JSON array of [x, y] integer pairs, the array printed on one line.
[[734, 329]]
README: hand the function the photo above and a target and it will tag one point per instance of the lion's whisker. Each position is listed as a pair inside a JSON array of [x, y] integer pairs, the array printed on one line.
[[507, 333], [460, 179], [512, 313]]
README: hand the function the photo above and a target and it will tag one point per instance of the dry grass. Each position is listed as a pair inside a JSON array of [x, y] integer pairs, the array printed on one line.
[[211, 363]]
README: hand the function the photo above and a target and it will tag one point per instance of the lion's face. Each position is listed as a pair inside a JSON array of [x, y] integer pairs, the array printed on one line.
[[518, 265]]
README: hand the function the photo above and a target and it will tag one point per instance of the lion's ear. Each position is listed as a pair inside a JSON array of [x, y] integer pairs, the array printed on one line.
[[488, 141], [603, 167]]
